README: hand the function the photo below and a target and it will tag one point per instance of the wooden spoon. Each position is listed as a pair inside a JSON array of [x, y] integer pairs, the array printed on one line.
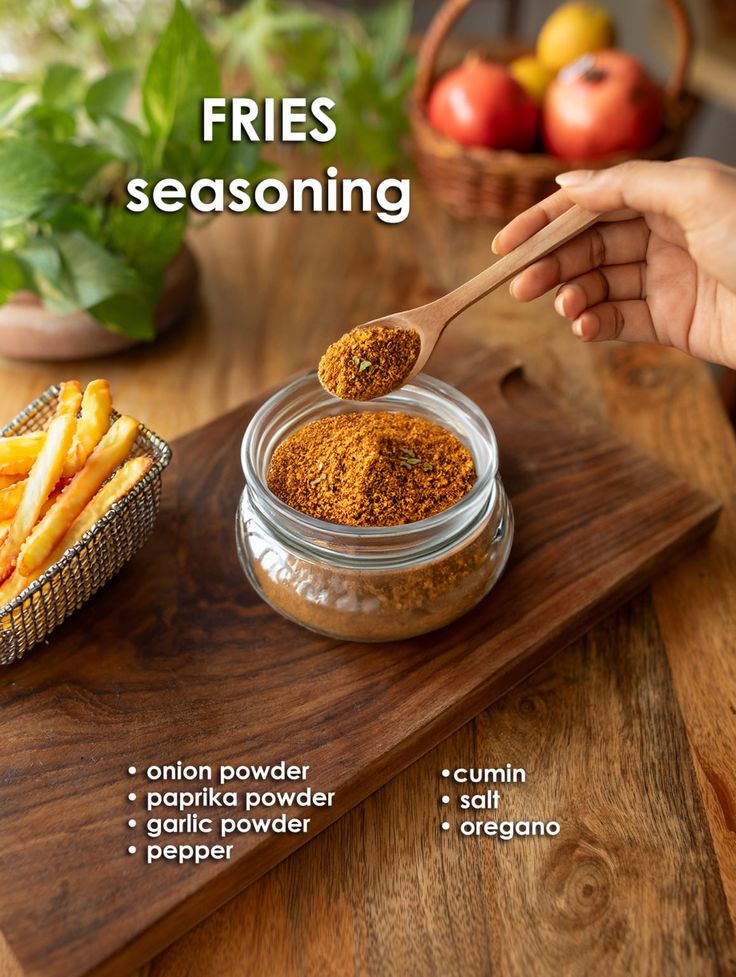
[[430, 320]]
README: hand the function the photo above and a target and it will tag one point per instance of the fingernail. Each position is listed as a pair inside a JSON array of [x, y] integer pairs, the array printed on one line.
[[494, 247], [512, 286], [559, 303], [574, 178], [577, 328]]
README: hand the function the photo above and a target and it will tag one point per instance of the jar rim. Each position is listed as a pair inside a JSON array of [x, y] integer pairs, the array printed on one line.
[[461, 405]]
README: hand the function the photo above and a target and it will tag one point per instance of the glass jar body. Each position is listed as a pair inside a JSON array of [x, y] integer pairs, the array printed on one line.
[[373, 584]]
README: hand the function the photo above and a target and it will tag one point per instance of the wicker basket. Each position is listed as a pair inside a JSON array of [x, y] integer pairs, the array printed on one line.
[[477, 182], [85, 567]]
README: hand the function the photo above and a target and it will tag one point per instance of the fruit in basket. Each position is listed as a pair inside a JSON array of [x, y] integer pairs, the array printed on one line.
[[603, 103], [533, 76], [572, 30], [480, 104]]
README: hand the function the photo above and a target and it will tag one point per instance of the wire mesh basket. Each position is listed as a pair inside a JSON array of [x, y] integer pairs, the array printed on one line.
[[89, 564]]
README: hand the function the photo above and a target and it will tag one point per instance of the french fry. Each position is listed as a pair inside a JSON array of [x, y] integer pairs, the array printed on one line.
[[109, 453], [10, 499], [19, 452], [61, 485], [111, 492], [12, 487], [69, 402], [12, 587], [92, 425], [126, 478], [70, 398], [9, 504], [38, 487]]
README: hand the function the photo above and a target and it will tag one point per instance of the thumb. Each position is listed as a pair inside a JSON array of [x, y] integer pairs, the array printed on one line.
[[697, 195], [675, 191]]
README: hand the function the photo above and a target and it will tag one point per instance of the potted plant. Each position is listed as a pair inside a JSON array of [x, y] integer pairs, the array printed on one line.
[[360, 61], [81, 275]]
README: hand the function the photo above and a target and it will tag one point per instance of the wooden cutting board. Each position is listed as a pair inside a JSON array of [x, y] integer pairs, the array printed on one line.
[[177, 659]]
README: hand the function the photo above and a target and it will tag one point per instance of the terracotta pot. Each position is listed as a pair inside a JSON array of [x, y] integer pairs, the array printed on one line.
[[28, 331]]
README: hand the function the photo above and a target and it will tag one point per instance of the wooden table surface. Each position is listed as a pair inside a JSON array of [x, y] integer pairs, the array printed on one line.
[[628, 736]]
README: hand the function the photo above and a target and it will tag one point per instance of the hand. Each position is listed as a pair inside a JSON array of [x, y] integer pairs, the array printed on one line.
[[660, 267]]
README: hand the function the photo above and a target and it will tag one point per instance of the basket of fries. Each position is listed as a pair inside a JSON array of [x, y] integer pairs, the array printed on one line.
[[80, 489]]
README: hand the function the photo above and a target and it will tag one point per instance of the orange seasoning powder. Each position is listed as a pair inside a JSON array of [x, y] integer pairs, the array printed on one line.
[[369, 362], [371, 469]]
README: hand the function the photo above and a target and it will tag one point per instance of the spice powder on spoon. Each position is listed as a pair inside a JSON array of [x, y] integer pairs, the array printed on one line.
[[369, 361], [371, 469]]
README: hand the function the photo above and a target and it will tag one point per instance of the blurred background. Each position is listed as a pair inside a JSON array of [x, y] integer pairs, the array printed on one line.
[[644, 30], [33, 32], [87, 102]]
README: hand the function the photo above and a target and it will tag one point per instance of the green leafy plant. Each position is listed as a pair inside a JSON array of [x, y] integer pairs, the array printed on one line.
[[362, 63], [67, 151], [112, 32]]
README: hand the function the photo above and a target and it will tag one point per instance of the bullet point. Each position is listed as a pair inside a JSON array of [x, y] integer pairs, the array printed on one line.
[[131, 797], [132, 849], [445, 799], [131, 770], [445, 772], [445, 826], [132, 823]]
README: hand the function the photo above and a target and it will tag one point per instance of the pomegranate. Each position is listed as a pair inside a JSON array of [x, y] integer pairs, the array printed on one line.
[[480, 104], [602, 103]]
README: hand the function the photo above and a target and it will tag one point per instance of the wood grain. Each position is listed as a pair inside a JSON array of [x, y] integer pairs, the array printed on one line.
[[695, 601], [368, 896], [605, 897], [595, 521]]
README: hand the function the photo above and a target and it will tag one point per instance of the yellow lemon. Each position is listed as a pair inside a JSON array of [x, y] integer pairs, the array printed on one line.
[[572, 30], [532, 75]]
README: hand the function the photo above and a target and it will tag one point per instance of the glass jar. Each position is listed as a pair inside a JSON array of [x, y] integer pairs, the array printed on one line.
[[373, 583]]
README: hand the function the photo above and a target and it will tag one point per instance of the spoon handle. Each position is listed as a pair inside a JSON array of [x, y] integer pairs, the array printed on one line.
[[557, 232]]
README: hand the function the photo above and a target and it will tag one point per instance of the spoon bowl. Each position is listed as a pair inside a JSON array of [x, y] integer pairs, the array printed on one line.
[[430, 320]]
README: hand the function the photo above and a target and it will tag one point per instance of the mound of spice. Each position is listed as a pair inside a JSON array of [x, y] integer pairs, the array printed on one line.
[[371, 469], [369, 362]]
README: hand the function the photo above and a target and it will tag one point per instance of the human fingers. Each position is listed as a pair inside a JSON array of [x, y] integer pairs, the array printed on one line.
[[535, 218], [529, 222], [703, 163], [621, 242], [697, 197], [610, 284], [629, 321], [676, 190]]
